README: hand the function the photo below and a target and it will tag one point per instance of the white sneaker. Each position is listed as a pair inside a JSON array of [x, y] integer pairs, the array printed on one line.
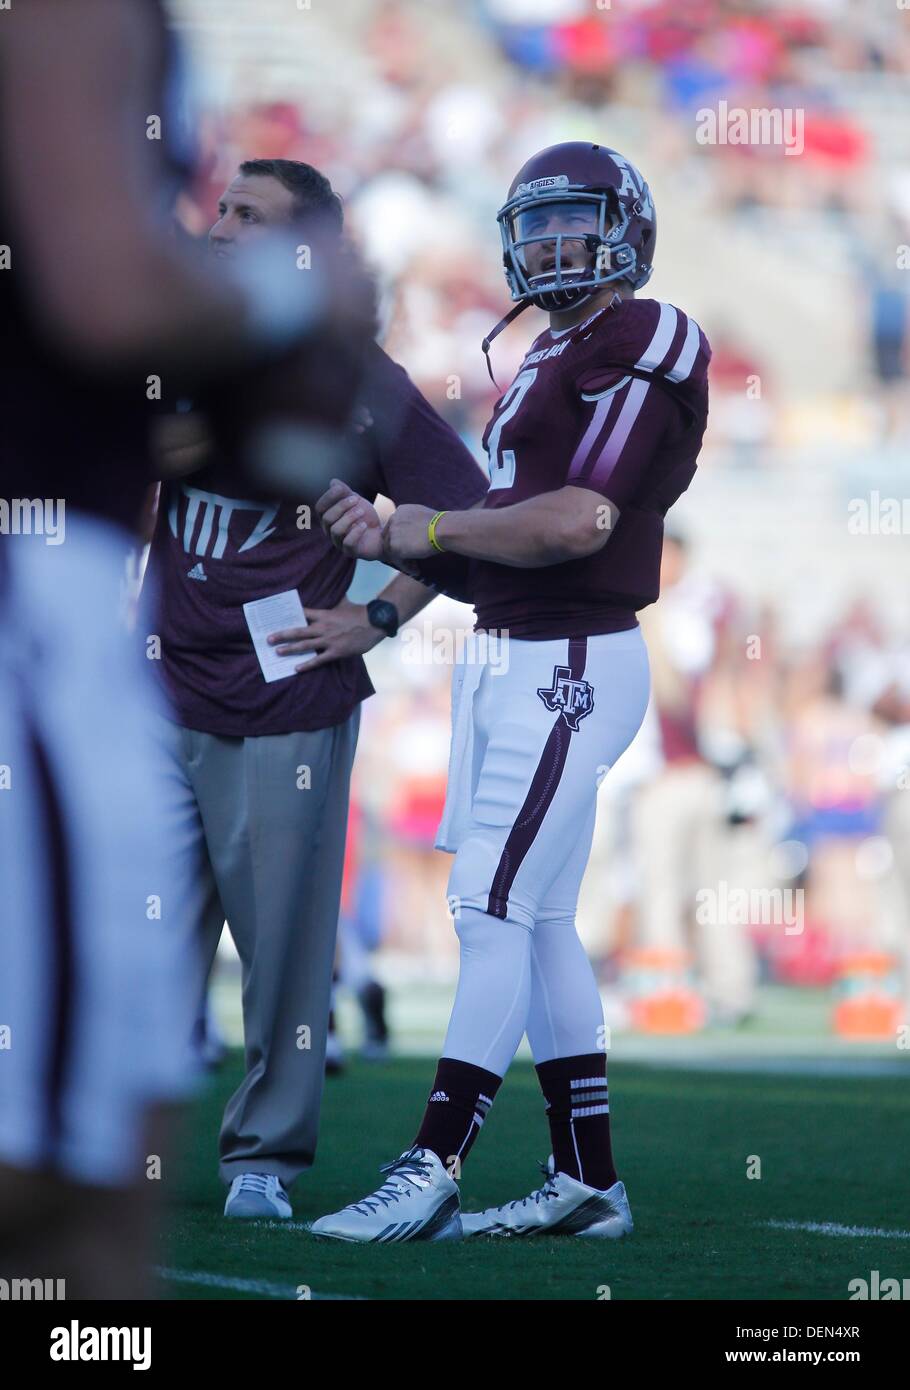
[[417, 1201], [562, 1207], [255, 1195]]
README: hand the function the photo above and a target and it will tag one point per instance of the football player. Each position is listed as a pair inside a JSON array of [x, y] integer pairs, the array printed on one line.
[[588, 447]]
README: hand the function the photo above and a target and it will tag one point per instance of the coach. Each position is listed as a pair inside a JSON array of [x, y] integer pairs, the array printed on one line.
[[260, 759]]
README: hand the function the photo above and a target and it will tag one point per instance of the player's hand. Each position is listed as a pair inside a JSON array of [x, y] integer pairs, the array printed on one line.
[[331, 633], [404, 535], [351, 522]]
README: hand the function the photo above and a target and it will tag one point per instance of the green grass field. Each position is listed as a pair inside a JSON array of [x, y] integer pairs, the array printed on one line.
[[832, 1150]]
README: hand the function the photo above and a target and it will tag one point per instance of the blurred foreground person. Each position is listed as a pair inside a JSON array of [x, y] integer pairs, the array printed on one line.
[[93, 1018]]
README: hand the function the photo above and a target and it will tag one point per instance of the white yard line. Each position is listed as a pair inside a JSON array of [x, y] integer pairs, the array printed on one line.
[[831, 1228], [267, 1225], [260, 1286]]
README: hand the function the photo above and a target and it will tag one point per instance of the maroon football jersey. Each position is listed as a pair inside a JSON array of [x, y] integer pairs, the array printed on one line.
[[617, 404]]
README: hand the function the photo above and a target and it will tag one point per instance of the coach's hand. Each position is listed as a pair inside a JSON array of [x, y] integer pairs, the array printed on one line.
[[404, 535], [331, 633], [351, 522]]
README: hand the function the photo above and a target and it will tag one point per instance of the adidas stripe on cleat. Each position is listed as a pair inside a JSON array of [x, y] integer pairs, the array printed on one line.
[[417, 1201], [562, 1207]]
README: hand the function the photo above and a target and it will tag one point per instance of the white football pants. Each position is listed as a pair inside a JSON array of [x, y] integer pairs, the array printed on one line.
[[534, 734]]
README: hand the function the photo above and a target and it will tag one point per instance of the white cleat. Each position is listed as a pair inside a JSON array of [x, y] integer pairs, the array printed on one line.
[[562, 1207], [417, 1201], [257, 1195]]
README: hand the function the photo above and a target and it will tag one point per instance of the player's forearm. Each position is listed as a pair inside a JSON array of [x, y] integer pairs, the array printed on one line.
[[408, 595], [526, 535]]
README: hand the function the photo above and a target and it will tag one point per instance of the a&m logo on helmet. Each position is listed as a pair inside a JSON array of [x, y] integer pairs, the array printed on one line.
[[573, 698], [633, 186]]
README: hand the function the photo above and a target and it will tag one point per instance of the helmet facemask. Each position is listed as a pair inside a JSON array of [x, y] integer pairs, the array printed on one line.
[[561, 244]]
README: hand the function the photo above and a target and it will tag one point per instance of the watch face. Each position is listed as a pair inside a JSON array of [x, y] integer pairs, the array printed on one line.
[[384, 616]]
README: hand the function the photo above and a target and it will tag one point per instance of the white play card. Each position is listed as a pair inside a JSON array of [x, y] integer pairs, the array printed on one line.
[[276, 613]]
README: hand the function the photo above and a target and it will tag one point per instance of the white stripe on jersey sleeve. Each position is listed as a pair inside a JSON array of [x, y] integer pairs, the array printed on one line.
[[616, 442], [688, 353], [659, 345], [608, 440], [588, 439]]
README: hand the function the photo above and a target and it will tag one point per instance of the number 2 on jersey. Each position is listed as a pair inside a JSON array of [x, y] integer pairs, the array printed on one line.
[[502, 463]]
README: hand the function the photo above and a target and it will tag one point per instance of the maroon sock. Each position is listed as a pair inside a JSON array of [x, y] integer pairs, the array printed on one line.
[[578, 1110], [458, 1104]]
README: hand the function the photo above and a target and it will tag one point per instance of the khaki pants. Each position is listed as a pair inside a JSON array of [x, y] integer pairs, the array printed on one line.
[[271, 854]]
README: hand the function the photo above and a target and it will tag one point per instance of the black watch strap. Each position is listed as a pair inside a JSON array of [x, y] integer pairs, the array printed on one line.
[[383, 615]]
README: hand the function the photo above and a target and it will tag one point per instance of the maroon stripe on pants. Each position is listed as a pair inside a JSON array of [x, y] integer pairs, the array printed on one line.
[[540, 794]]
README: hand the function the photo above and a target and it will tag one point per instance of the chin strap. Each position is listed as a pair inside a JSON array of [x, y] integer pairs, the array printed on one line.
[[615, 302], [503, 323]]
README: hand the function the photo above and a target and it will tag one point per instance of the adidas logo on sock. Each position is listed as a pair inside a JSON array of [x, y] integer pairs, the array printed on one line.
[[197, 572], [438, 1095]]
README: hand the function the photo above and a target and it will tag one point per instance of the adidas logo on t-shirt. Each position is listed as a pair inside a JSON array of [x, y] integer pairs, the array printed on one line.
[[438, 1095], [197, 572]]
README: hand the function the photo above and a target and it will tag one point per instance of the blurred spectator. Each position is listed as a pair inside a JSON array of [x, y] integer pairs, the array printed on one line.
[[835, 803], [680, 829]]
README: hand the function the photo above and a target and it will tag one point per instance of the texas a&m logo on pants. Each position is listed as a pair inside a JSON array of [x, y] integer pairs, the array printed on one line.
[[572, 697]]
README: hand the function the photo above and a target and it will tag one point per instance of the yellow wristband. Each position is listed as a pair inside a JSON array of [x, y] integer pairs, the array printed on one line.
[[431, 533]]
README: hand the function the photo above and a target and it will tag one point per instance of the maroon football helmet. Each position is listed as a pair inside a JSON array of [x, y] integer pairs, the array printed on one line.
[[585, 204]]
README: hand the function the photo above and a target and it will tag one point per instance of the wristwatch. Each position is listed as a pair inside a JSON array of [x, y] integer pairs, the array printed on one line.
[[384, 615]]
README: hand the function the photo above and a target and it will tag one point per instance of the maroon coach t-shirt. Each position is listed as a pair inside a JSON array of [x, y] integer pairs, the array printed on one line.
[[213, 551]]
